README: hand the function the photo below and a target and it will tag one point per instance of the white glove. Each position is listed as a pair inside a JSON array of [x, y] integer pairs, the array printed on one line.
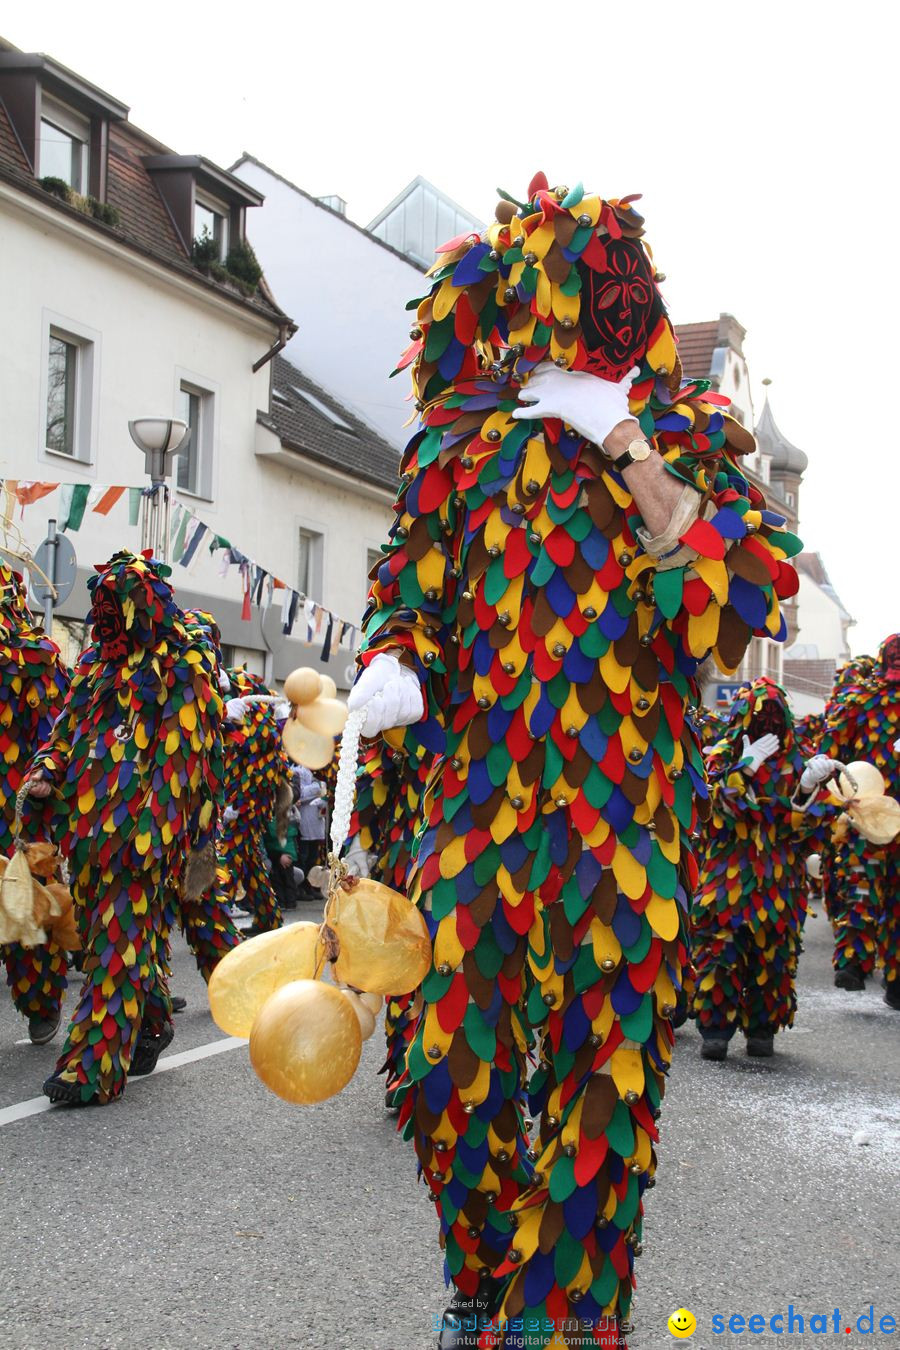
[[757, 752], [224, 682], [896, 746], [235, 710], [357, 859], [390, 693], [817, 770], [229, 814], [591, 405]]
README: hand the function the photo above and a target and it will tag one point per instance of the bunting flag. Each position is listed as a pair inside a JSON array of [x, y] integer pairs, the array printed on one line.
[[134, 505], [73, 504], [28, 492], [192, 543], [108, 500]]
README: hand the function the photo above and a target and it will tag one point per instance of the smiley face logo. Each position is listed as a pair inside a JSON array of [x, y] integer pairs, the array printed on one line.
[[682, 1324]]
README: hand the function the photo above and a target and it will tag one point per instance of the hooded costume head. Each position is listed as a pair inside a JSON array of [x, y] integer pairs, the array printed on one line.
[[563, 276], [133, 607], [889, 658], [759, 708]]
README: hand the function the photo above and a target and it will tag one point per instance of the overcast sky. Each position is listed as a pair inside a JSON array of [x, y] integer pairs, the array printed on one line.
[[762, 136]]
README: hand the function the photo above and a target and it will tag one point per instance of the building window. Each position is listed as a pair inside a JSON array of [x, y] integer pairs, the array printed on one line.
[[64, 145], [62, 375], [211, 222], [197, 408], [309, 563], [68, 406], [790, 499]]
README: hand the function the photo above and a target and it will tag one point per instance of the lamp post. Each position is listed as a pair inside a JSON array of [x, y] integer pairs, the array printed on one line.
[[161, 439]]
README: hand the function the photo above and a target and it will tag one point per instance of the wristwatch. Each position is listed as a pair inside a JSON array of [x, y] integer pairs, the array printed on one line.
[[637, 451]]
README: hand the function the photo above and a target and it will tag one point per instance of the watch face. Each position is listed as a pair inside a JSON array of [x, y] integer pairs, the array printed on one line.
[[639, 450]]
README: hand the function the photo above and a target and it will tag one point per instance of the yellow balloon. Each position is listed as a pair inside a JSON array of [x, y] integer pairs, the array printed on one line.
[[326, 716], [252, 972], [303, 685], [385, 948], [307, 747], [306, 1042], [365, 1015], [329, 688], [869, 782]]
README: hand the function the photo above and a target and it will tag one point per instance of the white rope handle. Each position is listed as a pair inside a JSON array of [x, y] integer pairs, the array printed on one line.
[[345, 787]]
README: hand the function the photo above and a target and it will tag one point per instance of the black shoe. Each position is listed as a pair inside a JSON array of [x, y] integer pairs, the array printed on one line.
[[892, 994], [149, 1048], [63, 1093], [178, 1003], [761, 1046], [464, 1320], [714, 1049], [850, 977], [42, 1029]]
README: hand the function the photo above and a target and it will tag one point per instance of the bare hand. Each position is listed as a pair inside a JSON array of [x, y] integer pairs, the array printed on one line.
[[37, 785]]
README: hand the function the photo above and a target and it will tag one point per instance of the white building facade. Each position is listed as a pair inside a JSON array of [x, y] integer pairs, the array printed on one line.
[[108, 316]]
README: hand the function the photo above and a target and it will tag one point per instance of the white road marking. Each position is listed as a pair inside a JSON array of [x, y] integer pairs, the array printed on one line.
[[35, 1105]]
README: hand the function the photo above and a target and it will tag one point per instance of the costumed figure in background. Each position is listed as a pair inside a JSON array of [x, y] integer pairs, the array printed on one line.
[[134, 763], [389, 790], [257, 789], [198, 905], [33, 685], [750, 907], [573, 536], [862, 722]]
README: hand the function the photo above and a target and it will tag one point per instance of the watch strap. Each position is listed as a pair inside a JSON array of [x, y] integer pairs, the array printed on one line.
[[627, 458]]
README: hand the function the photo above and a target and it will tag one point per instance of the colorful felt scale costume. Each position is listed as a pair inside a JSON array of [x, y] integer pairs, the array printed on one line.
[[136, 760], [751, 903], [389, 791], [556, 658], [33, 685], [862, 722], [257, 780]]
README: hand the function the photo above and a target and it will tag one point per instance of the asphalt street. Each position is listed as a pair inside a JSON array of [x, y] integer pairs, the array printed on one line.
[[201, 1211]]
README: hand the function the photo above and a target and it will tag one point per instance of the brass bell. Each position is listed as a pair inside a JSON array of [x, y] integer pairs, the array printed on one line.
[[595, 1040], [484, 702], [469, 1108], [531, 259], [632, 1097], [509, 295], [429, 658], [590, 612], [635, 1169], [467, 595], [562, 801], [635, 755], [646, 639], [444, 969], [509, 668], [561, 361], [474, 1233], [503, 1156], [534, 537], [569, 1150], [576, 1295], [467, 462], [567, 322], [572, 733], [559, 649], [494, 434], [503, 618], [434, 1052], [415, 334], [584, 220], [607, 963], [532, 486], [440, 1146], [516, 803], [549, 999], [494, 551], [514, 1255], [455, 763], [624, 559], [643, 704]]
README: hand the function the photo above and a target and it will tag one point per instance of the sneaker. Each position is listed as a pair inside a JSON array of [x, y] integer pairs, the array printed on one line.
[[714, 1049], [42, 1029], [235, 912], [178, 1003]]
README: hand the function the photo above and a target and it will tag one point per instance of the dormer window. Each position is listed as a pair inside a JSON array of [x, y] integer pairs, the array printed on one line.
[[64, 145], [211, 221]]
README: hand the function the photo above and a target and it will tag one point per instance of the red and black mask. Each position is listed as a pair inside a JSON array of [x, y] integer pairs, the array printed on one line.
[[768, 719], [109, 626], [620, 306], [890, 659]]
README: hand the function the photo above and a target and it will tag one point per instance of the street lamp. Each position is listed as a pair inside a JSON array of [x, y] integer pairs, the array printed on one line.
[[161, 439]]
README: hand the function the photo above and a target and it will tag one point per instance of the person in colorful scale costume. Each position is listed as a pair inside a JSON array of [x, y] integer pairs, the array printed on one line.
[[257, 785], [134, 761], [554, 576], [389, 790], [197, 903], [862, 722], [33, 685], [751, 903]]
